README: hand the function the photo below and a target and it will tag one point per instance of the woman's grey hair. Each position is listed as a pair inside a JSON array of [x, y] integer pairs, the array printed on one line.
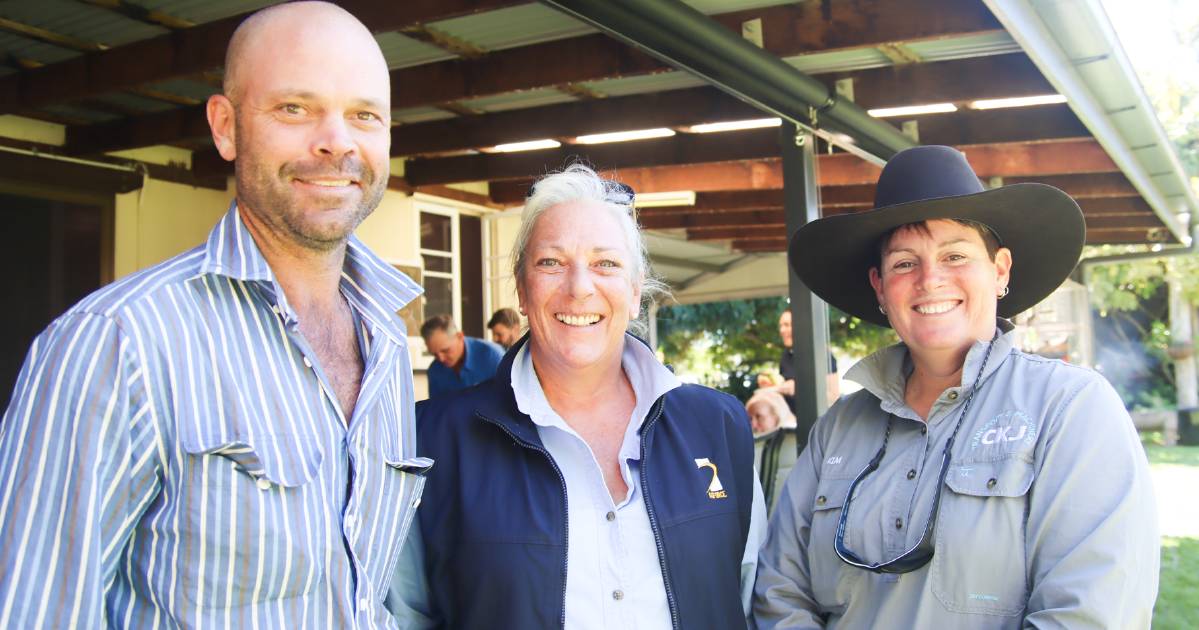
[[580, 183]]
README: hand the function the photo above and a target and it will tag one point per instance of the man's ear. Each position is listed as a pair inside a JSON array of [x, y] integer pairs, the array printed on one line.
[[222, 121]]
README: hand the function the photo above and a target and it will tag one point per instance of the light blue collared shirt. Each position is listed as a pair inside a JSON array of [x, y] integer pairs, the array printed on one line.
[[618, 554], [174, 455]]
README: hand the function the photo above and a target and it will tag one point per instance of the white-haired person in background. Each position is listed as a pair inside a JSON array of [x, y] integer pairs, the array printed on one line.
[[585, 486]]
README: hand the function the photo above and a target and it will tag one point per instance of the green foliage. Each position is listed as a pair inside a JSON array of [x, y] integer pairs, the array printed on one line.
[[854, 337], [728, 343]]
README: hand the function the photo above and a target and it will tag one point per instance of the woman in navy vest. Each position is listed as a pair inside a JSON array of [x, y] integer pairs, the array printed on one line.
[[585, 486]]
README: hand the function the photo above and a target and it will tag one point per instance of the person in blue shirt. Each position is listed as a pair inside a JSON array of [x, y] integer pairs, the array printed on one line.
[[459, 361]]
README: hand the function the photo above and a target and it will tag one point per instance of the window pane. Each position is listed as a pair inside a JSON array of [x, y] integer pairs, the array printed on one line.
[[438, 263], [439, 296], [435, 232]]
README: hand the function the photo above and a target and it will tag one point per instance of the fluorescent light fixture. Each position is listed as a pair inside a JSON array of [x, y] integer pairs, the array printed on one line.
[[1022, 101], [622, 136], [736, 125], [913, 110], [528, 145], [660, 199]]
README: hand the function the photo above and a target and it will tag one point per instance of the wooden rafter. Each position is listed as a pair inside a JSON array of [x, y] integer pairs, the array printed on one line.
[[142, 14], [789, 30], [981, 128], [190, 51]]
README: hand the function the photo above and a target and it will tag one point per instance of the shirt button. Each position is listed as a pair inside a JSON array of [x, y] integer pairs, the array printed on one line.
[[820, 500], [307, 363], [263, 484], [416, 503], [991, 483], [275, 308], [953, 395], [363, 604], [618, 595], [924, 430], [349, 521], [611, 516], [912, 474], [899, 523]]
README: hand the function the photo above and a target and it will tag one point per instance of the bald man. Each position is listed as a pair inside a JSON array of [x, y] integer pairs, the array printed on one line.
[[225, 439]]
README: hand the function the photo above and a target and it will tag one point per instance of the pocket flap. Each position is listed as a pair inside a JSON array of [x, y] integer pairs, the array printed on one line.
[[286, 461], [413, 465], [830, 494], [1009, 477]]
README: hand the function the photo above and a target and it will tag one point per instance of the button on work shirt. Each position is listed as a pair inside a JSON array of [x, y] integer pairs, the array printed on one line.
[[614, 578], [174, 455], [1047, 516], [478, 364]]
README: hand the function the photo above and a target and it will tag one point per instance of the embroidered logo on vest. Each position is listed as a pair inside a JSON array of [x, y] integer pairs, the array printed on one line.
[[715, 489]]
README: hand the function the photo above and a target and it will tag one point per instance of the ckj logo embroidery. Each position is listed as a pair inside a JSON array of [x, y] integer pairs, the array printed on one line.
[[715, 489], [1006, 427]]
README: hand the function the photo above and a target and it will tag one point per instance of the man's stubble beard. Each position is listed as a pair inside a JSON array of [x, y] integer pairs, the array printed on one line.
[[269, 195]]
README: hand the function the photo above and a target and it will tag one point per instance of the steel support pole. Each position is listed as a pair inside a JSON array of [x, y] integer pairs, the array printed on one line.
[[809, 315]]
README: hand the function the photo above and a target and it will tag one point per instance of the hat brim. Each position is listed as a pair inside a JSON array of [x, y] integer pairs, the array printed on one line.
[[1041, 225]]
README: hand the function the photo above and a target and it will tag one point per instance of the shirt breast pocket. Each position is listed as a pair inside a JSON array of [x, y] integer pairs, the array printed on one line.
[[832, 580], [980, 564], [251, 520]]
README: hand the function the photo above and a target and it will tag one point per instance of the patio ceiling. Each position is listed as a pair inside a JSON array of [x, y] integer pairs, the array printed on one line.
[[468, 75]]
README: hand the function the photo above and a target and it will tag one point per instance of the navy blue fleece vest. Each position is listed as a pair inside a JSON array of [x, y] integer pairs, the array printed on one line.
[[493, 516]]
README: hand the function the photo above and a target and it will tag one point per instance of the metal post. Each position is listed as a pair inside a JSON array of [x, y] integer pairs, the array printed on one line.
[[809, 315]]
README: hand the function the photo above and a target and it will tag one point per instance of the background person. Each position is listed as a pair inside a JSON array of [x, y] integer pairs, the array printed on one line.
[[768, 412], [224, 439], [505, 327], [787, 366], [968, 485], [585, 486], [458, 361]]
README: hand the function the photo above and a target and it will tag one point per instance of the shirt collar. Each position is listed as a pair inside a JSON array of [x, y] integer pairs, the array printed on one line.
[[649, 378], [376, 289], [885, 373]]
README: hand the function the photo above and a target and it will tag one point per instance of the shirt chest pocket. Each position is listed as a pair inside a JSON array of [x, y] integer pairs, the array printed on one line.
[[252, 521], [980, 564], [832, 580]]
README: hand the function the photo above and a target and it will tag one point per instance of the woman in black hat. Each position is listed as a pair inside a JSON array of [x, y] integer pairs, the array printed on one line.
[[968, 484]]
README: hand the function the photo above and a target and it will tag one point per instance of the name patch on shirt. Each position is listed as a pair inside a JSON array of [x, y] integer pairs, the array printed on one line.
[[1006, 430], [715, 488]]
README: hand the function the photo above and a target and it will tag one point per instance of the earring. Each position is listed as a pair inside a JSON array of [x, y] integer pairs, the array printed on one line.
[[882, 309], [1004, 292]]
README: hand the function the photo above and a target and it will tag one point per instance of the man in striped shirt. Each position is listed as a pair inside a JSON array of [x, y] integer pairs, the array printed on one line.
[[225, 439]]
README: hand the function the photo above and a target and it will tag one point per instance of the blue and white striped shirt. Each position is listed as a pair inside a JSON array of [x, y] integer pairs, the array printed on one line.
[[173, 455]]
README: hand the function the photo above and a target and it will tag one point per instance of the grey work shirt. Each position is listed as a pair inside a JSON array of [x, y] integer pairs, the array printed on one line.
[[1047, 517]]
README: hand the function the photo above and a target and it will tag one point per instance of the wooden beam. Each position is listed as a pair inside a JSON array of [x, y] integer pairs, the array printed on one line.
[[1016, 124], [1127, 236], [682, 149], [1109, 221], [1086, 185], [151, 129], [710, 220], [788, 30], [755, 232], [49, 37], [1117, 206], [446, 192], [190, 51], [968, 127], [760, 246], [142, 14], [955, 81]]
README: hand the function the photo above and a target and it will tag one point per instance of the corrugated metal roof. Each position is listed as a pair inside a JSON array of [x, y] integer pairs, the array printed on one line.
[[518, 100], [660, 82], [25, 48], [78, 20], [401, 51], [420, 114], [980, 45], [204, 10], [513, 26]]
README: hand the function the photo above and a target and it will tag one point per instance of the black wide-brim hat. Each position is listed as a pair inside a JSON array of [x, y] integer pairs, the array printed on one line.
[[1041, 225]]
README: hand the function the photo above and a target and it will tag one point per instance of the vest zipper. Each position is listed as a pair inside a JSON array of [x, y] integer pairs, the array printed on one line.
[[565, 508], [655, 413]]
